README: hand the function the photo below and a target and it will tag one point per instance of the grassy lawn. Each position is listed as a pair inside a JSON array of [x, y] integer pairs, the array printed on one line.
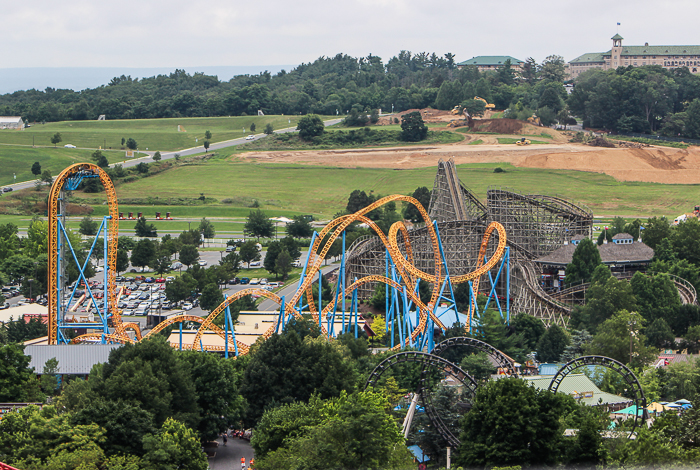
[[153, 134], [286, 189], [377, 138], [476, 142], [19, 160]]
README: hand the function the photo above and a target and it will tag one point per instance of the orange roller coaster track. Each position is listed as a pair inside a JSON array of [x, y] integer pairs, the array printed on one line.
[[76, 172], [403, 261]]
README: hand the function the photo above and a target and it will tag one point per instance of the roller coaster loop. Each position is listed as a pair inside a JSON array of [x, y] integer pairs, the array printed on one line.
[[628, 376], [428, 362], [59, 248], [504, 362]]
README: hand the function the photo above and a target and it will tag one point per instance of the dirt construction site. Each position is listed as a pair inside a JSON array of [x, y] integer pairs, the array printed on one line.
[[624, 162]]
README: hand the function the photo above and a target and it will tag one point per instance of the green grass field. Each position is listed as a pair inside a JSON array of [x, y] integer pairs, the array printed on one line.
[[284, 189], [287, 190], [152, 134]]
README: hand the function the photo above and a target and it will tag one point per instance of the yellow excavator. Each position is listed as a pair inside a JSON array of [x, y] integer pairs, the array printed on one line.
[[534, 120], [487, 105]]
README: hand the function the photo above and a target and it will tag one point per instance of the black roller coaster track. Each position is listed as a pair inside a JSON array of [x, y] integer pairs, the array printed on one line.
[[433, 362], [504, 362], [627, 375]]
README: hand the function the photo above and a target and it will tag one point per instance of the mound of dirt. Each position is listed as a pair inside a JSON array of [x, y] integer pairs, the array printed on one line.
[[601, 142], [499, 126]]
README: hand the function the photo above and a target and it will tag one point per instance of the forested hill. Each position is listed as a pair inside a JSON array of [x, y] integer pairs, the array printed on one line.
[[629, 99], [323, 86]]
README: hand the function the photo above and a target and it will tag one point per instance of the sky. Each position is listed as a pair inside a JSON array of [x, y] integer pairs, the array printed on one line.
[[187, 33]]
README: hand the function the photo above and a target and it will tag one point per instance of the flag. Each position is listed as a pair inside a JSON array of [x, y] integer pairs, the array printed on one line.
[[641, 228], [618, 24], [606, 228]]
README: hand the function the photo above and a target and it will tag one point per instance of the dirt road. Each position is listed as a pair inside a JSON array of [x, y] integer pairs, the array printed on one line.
[[651, 164]]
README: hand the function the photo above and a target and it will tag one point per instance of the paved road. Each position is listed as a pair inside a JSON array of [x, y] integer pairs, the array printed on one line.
[[182, 153], [228, 457]]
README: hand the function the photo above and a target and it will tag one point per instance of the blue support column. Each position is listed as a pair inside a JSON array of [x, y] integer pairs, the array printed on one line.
[[226, 329], [180, 336], [300, 307], [342, 279], [105, 297]]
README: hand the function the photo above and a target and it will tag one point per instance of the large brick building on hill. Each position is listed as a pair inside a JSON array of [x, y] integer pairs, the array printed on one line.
[[669, 57]]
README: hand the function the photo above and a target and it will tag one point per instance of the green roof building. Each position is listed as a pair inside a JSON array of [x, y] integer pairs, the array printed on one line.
[[582, 388], [492, 62], [669, 57]]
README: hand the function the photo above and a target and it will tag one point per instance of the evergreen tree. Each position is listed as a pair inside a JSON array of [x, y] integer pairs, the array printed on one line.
[[584, 261], [552, 344]]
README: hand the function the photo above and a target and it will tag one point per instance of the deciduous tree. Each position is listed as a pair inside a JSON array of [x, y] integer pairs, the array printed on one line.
[[259, 225], [413, 129]]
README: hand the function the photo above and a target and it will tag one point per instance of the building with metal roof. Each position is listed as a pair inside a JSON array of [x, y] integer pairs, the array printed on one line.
[[669, 57], [582, 388], [11, 122], [77, 359], [492, 62]]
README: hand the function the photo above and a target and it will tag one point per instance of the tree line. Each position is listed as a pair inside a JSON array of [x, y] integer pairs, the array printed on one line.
[[328, 86]]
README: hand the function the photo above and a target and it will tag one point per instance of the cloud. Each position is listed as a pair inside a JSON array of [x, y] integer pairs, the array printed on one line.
[[179, 33]]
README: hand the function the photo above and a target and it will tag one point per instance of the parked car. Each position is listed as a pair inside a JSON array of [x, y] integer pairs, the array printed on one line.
[[149, 280], [187, 306], [263, 281], [176, 265], [120, 279], [70, 146], [255, 281], [160, 280], [230, 248], [234, 281], [245, 280], [202, 262], [255, 263], [169, 278], [128, 311]]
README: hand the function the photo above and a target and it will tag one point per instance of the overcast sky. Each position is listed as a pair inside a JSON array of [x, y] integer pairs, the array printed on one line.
[[186, 33]]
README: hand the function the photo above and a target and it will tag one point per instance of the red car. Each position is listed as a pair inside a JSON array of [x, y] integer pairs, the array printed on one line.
[[160, 280]]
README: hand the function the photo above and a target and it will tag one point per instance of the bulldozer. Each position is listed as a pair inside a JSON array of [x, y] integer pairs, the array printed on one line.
[[523, 141]]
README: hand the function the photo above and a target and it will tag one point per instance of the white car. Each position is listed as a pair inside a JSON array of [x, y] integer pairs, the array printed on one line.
[[202, 262], [70, 146], [169, 278], [255, 263], [254, 282], [187, 306], [250, 137]]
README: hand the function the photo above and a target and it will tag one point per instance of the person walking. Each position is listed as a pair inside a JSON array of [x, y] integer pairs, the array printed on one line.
[[225, 436]]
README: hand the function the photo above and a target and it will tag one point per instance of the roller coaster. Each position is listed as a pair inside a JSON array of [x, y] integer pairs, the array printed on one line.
[[410, 320]]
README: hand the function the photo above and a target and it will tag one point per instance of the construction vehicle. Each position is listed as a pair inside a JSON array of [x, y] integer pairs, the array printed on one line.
[[523, 141], [687, 216], [534, 120], [456, 110], [487, 105]]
